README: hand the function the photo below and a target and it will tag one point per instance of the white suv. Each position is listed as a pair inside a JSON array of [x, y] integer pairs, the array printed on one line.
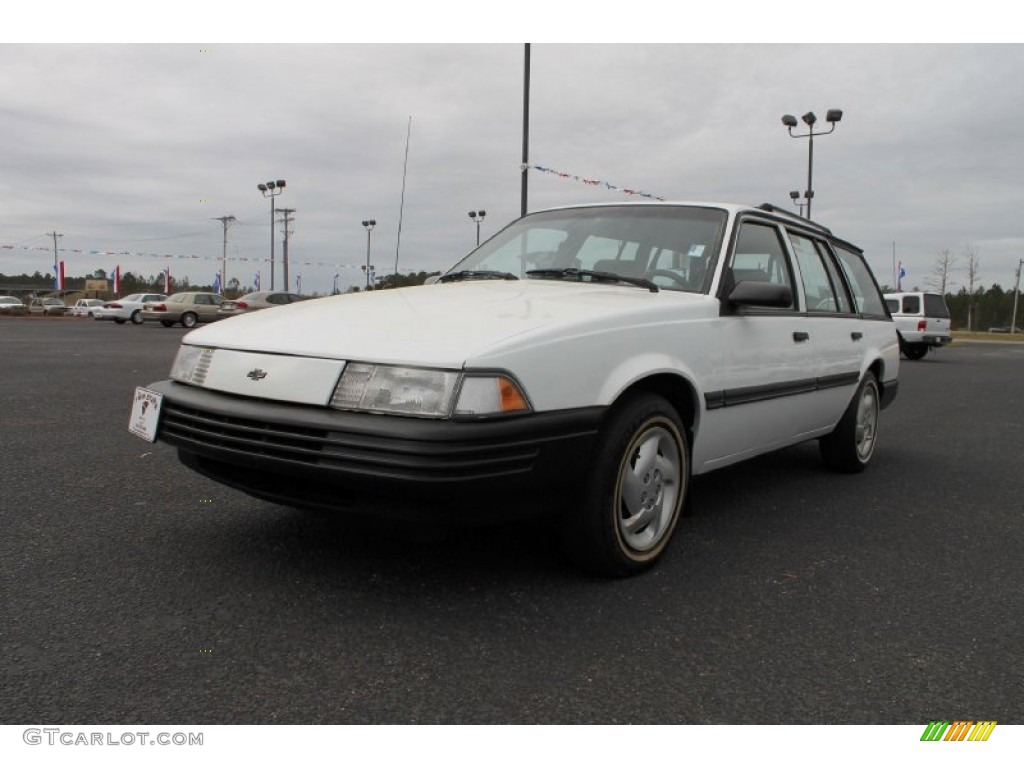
[[584, 362], [922, 321]]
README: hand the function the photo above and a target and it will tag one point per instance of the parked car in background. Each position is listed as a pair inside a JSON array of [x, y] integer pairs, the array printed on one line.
[[258, 300], [47, 307], [86, 307], [582, 364], [10, 305], [126, 309], [922, 321], [188, 308]]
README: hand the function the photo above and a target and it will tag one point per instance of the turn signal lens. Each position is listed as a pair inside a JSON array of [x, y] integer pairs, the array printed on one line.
[[490, 395]]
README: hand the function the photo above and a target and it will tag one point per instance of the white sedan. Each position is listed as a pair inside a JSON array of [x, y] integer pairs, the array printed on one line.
[[583, 364], [127, 309]]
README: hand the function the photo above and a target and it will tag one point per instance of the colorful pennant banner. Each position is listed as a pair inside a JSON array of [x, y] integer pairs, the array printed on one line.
[[593, 182]]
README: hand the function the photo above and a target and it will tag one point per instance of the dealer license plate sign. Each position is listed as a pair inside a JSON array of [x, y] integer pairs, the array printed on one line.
[[145, 413]]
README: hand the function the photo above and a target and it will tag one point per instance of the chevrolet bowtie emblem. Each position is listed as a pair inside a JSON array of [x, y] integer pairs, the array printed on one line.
[[256, 374]]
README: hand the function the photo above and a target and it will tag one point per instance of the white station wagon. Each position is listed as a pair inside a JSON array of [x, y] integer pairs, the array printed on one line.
[[585, 362]]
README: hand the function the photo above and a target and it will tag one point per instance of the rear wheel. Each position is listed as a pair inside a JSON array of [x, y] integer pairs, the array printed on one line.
[[851, 444], [915, 351], [634, 495]]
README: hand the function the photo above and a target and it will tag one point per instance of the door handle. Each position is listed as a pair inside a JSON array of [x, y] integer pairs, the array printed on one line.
[[856, 335], [799, 336]]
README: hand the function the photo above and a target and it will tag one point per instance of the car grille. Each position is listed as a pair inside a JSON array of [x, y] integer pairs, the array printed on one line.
[[243, 440]]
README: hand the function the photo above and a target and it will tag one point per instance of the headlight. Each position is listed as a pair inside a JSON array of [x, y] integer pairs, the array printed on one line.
[[191, 364], [388, 389], [426, 392]]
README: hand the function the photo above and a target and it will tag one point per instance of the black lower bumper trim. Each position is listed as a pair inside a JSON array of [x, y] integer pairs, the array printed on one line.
[[316, 456]]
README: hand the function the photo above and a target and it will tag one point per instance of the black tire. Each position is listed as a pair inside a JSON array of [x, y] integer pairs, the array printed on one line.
[[167, 323], [120, 320], [851, 444], [915, 351], [189, 320], [604, 533], [136, 317]]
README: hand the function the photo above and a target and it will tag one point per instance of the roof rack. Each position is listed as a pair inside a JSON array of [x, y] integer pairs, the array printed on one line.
[[790, 215]]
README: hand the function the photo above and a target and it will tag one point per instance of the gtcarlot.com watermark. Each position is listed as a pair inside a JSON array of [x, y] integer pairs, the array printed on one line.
[[70, 738]]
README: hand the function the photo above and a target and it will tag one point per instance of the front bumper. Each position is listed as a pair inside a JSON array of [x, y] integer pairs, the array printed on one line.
[[323, 458]]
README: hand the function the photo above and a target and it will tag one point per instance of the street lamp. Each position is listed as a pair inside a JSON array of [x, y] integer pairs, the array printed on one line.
[[272, 189], [369, 224], [1016, 296], [832, 117], [477, 216], [795, 196]]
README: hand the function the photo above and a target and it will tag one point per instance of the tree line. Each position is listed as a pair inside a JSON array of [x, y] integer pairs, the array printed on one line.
[[973, 307]]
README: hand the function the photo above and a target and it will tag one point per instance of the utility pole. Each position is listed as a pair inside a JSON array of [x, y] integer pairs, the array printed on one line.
[[56, 274], [225, 220], [284, 259], [526, 131], [1016, 295]]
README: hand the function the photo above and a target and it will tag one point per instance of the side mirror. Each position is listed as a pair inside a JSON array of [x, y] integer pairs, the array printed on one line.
[[748, 293]]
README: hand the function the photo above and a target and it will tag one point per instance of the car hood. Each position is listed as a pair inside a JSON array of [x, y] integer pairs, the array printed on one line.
[[443, 325]]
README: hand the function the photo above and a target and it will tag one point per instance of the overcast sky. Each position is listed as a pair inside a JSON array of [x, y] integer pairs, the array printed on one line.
[[132, 151]]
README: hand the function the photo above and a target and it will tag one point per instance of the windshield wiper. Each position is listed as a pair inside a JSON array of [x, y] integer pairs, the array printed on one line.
[[476, 274], [578, 274]]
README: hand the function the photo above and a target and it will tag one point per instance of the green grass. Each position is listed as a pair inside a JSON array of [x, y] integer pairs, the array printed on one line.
[[985, 336]]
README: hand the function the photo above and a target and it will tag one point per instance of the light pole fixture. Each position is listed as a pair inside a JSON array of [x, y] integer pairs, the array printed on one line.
[[369, 224], [477, 216], [832, 117], [272, 189], [1016, 296], [795, 197]]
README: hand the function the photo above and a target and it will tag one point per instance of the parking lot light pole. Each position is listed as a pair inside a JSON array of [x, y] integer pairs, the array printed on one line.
[[272, 189], [369, 224], [795, 196], [832, 117], [1016, 296], [477, 216]]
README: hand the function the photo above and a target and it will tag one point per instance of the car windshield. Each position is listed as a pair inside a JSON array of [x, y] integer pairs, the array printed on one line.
[[671, 247]]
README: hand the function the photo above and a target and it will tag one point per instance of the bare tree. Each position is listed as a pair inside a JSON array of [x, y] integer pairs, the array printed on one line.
[[973, 258], [941, 276]]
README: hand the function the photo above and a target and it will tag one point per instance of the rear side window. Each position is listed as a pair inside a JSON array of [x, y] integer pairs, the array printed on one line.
[[935, 306], [822, 285], [911, 305], [865, 290]]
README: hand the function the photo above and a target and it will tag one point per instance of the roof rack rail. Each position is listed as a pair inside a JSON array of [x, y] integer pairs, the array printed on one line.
[[790, 215]]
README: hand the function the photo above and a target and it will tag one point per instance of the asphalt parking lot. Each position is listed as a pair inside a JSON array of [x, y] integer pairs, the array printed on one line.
[[133, 591]]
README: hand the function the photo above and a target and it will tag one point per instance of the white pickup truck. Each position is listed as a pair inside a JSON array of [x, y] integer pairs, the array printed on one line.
[[922, 321]]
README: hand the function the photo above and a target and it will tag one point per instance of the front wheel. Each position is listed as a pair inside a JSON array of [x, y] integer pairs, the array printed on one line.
[[851, 444], [634, 496], [136, 317], [189, 320]]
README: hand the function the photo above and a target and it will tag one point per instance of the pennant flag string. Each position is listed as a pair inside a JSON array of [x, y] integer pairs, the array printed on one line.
[[591, 182]]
